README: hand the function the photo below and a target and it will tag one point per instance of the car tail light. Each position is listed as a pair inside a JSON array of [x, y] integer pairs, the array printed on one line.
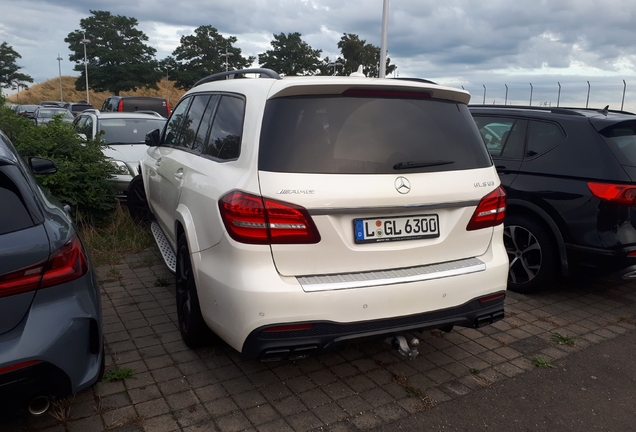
[[616, 193], [252, 219], [65, 264], [168, 108], [120, 105], [490, 212]]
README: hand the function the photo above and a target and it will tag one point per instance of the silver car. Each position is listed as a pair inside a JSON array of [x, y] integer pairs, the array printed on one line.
[[50, 311], [124, 133]]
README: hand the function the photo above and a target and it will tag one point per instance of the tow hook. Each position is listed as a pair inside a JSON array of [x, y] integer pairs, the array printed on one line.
[[404, 348]]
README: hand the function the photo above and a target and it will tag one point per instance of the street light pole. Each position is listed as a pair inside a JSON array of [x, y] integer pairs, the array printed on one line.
[[334, 65], [226, 55], [59, 65], [168, 67], [385, 30], [86, 42]]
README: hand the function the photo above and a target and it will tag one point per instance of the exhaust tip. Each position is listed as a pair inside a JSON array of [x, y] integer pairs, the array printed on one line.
[[39, 406]]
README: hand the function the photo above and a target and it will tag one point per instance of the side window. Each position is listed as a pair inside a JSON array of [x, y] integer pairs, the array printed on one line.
[[224, 141], [542, 136], [191, 122], [503, 136], [206, 123], [176, 120]]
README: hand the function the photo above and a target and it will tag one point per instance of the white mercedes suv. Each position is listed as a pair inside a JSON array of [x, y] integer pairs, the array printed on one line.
[[299, 212]]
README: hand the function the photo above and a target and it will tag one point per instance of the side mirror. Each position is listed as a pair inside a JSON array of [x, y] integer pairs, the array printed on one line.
[[153, 138], [42, 166]]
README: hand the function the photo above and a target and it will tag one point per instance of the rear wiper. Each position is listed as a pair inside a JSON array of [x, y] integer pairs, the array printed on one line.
[[420, 164]]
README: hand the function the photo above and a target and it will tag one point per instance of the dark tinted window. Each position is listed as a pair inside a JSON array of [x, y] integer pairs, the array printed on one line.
[[621, 139], [18, 217], [225, 138], [542, 136], [357, 135], [175, 122], [206, 123], [191, 121]]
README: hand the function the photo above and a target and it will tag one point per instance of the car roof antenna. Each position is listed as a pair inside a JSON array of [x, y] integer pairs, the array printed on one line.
[[605, 110], [358, 73]]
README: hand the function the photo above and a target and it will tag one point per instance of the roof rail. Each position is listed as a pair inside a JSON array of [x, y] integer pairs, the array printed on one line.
[[233, 74], [555, 110]]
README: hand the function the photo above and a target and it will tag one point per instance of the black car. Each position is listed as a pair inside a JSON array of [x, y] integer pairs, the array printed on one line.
[[136, 103], [570, 178], [78, 107]]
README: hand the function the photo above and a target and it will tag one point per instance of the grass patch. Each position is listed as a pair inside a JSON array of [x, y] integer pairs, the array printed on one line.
[[107, 244], [61, 410], [541, 362], [563, 340], [162, 281], [118, 374]]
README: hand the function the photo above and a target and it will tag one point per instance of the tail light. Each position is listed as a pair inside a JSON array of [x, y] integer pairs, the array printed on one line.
[[490, 212], [616, 193], [66, 264], [168, 108], [120, 105], [252, 219]]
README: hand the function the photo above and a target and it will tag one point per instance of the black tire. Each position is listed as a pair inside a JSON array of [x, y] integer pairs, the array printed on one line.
[[136, 200], [532, 253], [193, 328]]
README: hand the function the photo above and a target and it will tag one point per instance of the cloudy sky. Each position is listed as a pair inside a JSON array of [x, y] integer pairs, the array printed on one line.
[[483, 46]]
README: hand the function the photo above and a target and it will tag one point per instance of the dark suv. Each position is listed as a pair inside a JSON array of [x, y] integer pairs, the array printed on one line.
[[570, 177], [136, 103]]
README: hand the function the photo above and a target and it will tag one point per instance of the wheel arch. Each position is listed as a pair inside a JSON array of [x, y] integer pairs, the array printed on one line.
[[185, 225], [525, 208]]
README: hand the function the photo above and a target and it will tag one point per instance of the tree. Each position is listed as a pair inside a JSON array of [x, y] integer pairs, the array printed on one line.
[[356, 52], [10, 77], [118, 58], [291, 56], [204, 53]]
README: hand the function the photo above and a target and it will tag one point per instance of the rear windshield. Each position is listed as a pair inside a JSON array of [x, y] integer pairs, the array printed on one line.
[[621, 139], [368, 135], [128, 131]]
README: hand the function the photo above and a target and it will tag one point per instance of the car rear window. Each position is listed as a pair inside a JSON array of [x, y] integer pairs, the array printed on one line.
[[128, 131], [18, 218], [368, 135], [621, 139]]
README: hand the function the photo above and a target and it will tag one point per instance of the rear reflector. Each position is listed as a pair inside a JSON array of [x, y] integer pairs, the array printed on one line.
[[17, 366], [292, 327], [616, 193], [65, 264], [256, 220], [490, 212], [491, 297]]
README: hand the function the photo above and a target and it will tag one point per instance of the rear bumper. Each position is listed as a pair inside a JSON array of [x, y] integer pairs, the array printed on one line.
[[616, 263], [266, 345], [62, 333]]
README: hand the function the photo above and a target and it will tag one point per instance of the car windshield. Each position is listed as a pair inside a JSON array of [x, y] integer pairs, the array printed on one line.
[[621, 138], [368, 135], [49, 113], [128, 130]]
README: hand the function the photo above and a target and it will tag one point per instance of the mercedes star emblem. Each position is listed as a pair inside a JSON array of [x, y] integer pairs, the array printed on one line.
[[402, 185]]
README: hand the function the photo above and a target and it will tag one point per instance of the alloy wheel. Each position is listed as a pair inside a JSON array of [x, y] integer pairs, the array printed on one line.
[[524, 254]]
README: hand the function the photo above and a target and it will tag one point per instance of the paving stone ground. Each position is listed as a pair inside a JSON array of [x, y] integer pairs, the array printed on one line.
[[352, 388]]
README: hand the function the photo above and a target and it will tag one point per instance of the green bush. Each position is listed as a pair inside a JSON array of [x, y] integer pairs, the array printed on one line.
[[83, 170]]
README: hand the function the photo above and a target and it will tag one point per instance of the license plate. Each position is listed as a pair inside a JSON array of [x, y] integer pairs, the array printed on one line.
[[396, 228]]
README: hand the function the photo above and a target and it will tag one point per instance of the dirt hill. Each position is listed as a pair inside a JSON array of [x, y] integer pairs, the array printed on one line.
[[50, 91]]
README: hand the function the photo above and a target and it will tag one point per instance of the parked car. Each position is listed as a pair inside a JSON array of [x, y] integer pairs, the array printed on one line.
[[302, 212], [44, 114], [26, 110], [56, 104], [78, 107], [51, 322], [125, 135], [136, 103], [570, 177]]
